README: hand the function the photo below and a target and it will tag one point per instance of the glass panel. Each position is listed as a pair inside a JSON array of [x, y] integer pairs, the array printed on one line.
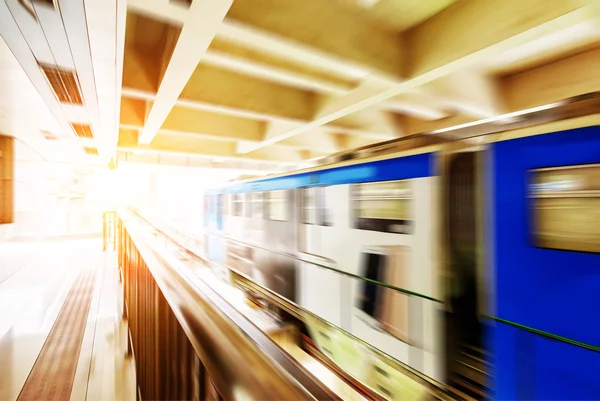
[[568, 223], [224, 203], [256, 208], [392, 209], [213, 201], [315, 209], [389, 308], [566, 208], [309, 205], [387, 189], [383, 206], [566, 179], [277, 205], [238, 205], [326, 203]]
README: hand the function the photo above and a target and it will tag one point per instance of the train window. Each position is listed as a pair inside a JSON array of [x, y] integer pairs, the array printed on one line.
[[211, 203], [309, 205], [315, 208], [277, 205], [326, 206], [256, 204], [565, 204], [383, 206], [224, 204], [238, 205]]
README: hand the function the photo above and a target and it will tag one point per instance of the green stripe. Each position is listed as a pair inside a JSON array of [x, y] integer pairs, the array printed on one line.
[[545, 334], [402, 290]]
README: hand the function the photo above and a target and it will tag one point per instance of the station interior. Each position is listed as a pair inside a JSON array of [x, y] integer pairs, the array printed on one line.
[[299, 200]]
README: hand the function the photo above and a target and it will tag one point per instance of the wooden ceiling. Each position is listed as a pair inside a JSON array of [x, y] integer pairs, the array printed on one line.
[[284, 82]]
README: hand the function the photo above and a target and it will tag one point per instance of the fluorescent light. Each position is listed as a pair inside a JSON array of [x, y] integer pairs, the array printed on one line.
[[503, 118]]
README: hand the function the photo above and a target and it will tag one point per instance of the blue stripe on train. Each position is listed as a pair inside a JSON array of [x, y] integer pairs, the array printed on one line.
[[401, 168]]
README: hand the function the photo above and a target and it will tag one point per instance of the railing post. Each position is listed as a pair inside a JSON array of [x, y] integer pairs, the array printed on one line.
[[198, 379], [104, 232], [167, 363], [114, 227]]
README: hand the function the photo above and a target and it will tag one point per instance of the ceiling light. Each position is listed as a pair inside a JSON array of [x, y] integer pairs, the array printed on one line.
[[507, 118], [367, 3]]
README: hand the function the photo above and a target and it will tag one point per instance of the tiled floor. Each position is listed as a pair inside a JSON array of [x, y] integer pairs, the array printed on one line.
[[35, 278]]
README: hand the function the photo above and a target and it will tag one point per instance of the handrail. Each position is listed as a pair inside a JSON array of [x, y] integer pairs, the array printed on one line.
[[493, 318], [241, 360], [165, 228]]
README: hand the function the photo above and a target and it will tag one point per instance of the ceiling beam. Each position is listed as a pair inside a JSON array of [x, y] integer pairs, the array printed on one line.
[[237, 45], [202, 23], [230, 89], [326, 41], [200, 146], [572, 76], [138, 94], [186, 120], [187, 161], [416, 126], [141, 151], [461, 33], [324, 25], [297, 79], [227, 91], [261, 53], [333, 110], [183, 121], [415, 108], [461, 23], [264, 70], [319, 141], [470, 92], [249, 37]]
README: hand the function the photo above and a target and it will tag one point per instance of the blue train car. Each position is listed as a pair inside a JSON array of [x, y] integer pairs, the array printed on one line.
[[474, 265]]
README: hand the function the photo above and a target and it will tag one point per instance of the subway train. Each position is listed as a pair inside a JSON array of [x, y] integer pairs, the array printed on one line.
[[472, 260]]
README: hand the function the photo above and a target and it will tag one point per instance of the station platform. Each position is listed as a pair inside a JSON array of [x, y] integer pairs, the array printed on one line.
[[61, 336], [137, 314]]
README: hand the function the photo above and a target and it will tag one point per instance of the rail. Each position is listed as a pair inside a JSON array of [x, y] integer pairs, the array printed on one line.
[[188, 342]]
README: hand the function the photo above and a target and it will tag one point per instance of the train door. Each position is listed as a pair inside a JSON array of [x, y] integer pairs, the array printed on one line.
[[466, 358], [546, 261]]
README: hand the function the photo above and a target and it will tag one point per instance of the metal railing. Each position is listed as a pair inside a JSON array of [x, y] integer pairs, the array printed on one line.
[[188, 342], [109, 230], [192, 244]]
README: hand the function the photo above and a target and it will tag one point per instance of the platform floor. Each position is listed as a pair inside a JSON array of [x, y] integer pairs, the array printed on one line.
[[35, 279]]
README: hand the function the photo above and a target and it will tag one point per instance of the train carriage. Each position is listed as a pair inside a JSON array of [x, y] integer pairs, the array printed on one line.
[[474, 264]]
